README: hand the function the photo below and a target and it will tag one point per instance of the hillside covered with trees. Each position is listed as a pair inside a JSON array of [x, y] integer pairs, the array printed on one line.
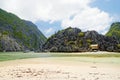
[[17, 34]]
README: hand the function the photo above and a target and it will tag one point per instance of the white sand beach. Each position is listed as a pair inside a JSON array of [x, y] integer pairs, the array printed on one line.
[[50, 69]]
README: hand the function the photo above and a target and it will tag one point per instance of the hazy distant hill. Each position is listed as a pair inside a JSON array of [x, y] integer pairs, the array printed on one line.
[[73, 39], [114, 30], [17, 34]]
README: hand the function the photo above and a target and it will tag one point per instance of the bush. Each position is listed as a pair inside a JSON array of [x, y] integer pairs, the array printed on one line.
[[5, 32], [80, 43], [81, 34], [118, 46], [89, 41], [19, 34]]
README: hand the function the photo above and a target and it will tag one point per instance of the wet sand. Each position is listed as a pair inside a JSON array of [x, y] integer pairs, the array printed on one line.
[[52, 69]]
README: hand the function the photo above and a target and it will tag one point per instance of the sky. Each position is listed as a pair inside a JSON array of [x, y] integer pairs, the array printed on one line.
[[53, 15]]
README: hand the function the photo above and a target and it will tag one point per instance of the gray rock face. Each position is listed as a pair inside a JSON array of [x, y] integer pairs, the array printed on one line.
[[9, 44], [105, 43], [72, 39]]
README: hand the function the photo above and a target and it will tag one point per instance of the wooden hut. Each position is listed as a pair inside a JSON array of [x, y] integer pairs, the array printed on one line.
[[94, 47]]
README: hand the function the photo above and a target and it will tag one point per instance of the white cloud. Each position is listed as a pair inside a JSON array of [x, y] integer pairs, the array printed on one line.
[[83, 16], [44, 9], [89, 19]]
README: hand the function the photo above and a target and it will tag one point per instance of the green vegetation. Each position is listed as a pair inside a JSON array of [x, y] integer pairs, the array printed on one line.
[[114, 30], [5, 33], [21, 30], [81, 34], [80, 44], [118, 46], [89, 41]]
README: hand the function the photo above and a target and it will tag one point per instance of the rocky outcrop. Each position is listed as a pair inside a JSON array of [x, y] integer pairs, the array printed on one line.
[[73, 39], [104, 43], [9, 44]]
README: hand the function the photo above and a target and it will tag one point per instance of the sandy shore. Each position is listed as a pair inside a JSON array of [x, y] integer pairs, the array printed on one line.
[[49, 69]]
